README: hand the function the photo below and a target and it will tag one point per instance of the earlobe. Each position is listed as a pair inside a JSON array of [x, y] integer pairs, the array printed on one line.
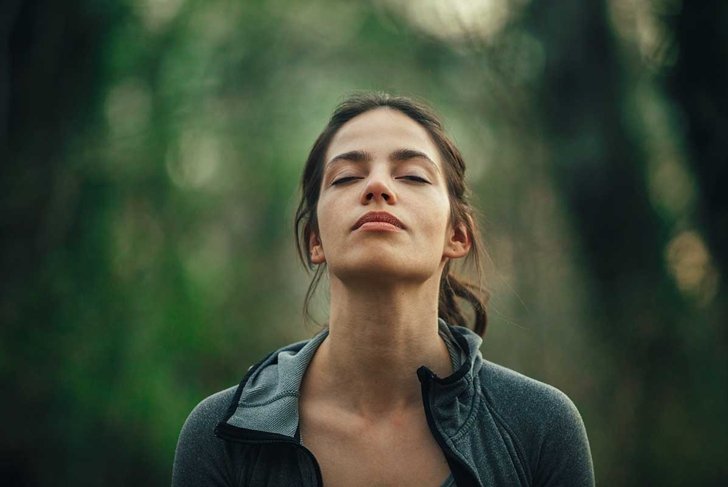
[[316, 250], [459, 242]]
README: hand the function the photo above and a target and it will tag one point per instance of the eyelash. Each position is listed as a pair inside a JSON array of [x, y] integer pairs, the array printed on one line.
[[346, 179], [416, 179]]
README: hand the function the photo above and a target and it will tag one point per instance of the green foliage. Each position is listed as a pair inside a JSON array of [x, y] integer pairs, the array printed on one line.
[[148, 252]]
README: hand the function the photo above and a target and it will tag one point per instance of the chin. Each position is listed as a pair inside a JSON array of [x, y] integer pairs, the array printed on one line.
[[382, 268]]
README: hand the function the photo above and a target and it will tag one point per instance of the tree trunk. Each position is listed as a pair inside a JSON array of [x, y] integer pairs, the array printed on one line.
[[599, 170]]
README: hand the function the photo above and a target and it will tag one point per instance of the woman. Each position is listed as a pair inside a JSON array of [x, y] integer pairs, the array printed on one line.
[[390, 393]]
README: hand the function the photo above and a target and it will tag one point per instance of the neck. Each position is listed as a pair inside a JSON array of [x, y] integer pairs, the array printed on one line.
[[378, 337]]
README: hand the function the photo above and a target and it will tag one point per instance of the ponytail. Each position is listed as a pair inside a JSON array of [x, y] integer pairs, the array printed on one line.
[[448, 308]]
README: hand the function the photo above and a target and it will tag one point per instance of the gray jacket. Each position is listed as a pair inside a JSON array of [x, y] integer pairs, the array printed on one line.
[[495, 426]]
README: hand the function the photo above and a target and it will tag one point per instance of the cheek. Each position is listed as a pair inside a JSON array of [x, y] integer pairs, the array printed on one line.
[[439, 214], [435, 226], [326, 215]]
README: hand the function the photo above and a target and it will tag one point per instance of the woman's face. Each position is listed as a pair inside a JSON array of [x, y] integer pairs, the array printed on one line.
[[383, 210]]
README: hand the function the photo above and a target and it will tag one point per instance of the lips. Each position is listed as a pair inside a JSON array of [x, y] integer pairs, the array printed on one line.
[[378, 216]]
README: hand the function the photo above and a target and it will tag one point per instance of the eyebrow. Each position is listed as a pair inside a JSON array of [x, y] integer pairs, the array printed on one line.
[[396, 156]]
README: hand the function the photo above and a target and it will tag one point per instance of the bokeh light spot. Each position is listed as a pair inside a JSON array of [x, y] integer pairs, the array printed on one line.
[[128, 108], [690, 264], [156, 14], [458, 20], [195, 161]]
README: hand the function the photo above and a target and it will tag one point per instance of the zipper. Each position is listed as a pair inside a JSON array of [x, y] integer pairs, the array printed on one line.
[[238, 435], [461, 472]]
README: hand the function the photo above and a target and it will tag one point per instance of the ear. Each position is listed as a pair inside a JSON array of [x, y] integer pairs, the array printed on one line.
[[316, 249], [458, 241]]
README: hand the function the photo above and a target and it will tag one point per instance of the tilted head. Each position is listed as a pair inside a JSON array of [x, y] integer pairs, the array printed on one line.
[[453, 168]]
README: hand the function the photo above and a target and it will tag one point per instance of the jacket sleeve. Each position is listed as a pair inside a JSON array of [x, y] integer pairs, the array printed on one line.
[[564, 458], [201, 458]]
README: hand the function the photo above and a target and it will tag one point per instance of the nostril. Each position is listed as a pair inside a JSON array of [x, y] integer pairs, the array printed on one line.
[[378, 194]]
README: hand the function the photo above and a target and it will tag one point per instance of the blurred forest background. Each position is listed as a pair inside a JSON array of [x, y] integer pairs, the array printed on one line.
[[150, 154]]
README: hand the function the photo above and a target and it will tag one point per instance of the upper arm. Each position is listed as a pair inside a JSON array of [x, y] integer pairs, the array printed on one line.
[[201, 458], [564, 457]]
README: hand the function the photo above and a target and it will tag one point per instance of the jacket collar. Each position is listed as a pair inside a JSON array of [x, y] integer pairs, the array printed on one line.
[[267, 398], [450, 401]]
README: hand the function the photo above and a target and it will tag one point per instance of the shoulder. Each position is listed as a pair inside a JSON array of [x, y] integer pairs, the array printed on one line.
[[543, 421], [518, 397], [209, 411], [200, 457]]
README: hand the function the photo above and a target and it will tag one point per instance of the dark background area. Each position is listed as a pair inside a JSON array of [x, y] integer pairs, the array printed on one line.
[[150, 152]]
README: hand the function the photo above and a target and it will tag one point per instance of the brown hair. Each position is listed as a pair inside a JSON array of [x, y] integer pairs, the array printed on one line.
[[460, 209]]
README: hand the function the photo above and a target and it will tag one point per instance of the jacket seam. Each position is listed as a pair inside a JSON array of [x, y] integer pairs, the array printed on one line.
[[516, 440], [470, 420]]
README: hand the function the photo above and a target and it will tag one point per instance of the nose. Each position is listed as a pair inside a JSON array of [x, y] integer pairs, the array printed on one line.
[[378, 188]]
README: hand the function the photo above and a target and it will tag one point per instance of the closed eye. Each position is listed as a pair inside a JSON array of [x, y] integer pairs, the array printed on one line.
[[415, 179], [344, 180]]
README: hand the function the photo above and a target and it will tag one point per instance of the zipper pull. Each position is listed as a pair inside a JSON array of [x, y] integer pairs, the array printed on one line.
[[425, 375]]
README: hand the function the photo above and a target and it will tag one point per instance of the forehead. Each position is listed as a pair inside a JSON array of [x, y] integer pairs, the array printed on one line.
[[382, 130]]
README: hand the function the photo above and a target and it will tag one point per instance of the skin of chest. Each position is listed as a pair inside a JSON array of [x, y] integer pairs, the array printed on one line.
[[393, 450]]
